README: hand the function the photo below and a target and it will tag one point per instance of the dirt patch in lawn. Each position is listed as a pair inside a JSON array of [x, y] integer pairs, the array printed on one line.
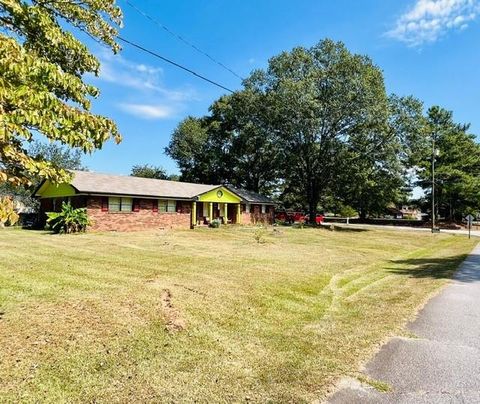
[[173, 319]]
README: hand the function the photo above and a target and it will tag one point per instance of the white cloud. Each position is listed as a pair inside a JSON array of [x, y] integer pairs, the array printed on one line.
[[139, 76], [143, 94], [428, 20], [147, 111]]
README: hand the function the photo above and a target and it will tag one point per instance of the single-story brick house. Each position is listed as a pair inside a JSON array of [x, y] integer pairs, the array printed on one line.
[[126, 203]]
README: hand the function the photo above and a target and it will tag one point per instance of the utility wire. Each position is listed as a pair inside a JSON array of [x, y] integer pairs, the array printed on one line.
[[173, 63], [180, 38]]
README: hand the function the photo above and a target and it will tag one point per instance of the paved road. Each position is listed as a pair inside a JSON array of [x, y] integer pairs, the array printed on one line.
[[474, 232], [442, 365]]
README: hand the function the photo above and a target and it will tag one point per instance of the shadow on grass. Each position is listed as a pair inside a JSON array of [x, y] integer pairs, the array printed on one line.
[[349, 229], [441, 268]]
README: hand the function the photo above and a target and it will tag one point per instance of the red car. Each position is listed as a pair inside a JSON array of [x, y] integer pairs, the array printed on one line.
[[297, 217], [318, 218]]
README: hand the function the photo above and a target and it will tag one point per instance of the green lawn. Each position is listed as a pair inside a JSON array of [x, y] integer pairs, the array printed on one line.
[[208, 315]]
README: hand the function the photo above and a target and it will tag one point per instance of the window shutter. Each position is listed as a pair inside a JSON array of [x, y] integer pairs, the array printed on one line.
[[136, 205], [104, 204], [155, 205]]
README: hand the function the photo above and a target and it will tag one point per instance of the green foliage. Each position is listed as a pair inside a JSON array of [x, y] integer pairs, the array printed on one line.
[[370, 176], [189, 148], [233, 144], [61, 157], [348, 211], [457, 185], [68, 220], [8, 216], [328, 101], [42, 91], [291, 128], [148, 171], [317, 129], [58, 155]]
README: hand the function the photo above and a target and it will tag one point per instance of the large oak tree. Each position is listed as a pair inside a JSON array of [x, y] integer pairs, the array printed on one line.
[[324, 103]]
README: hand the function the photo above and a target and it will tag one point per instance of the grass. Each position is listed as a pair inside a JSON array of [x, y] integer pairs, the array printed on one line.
[[209, 315]]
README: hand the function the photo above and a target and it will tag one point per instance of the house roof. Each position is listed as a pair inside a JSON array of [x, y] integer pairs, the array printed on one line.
[[250, 196], [95, 183], [86, 182]]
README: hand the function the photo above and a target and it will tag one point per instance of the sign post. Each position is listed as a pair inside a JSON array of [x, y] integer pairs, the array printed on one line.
[[469, 220]]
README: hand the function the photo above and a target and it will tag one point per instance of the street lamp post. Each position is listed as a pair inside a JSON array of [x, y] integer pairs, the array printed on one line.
[[433, 182]]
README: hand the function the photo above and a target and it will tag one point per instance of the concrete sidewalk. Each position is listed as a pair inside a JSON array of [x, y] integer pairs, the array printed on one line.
[[442, 365]]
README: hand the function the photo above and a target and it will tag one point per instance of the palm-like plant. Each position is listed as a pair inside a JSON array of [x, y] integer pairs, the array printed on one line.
[[68, 220]]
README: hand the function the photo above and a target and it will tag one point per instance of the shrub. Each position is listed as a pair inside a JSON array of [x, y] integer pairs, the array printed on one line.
[[215, 223], [68, 220], [348, 211], [259, 235], [7, 212]]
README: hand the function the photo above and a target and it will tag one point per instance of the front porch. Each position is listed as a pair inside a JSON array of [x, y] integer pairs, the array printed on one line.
[[205, 212], [220, 204]]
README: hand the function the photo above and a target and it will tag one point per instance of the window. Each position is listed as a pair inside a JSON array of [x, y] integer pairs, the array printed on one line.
[[116, 204], [167, 206]]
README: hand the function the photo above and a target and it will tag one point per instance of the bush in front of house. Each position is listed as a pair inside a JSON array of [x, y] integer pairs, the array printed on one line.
[[215, 223], [68, 220]]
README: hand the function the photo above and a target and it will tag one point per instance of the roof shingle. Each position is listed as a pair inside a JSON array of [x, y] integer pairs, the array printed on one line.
[[250, 196], [95, 183]]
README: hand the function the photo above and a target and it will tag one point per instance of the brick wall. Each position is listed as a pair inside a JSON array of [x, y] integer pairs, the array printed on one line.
[[144, 219], [256, 216]]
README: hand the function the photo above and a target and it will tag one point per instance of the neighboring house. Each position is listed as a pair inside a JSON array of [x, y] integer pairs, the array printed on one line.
[[125, 203], [22, 208], [411, 212], [405, 212]]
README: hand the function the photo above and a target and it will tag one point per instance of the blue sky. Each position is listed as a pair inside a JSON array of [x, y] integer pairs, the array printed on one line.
[[425, 48]]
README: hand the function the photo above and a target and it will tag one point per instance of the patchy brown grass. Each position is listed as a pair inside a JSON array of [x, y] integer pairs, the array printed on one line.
[[173, 319], [205, 315]]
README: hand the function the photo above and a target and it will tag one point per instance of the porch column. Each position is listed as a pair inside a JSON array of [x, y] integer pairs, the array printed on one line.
[[225, 208], [210, 211], [239, 216], [194, 214]]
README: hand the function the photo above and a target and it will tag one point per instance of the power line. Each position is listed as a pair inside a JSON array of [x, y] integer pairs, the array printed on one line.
[[173, 63], [180, 38]]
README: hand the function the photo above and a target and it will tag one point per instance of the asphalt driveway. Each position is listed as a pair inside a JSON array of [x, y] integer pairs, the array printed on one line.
[[442, 365]]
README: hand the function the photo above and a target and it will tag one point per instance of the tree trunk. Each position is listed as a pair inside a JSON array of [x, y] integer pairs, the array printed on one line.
[[312, 208], [362, 214]]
